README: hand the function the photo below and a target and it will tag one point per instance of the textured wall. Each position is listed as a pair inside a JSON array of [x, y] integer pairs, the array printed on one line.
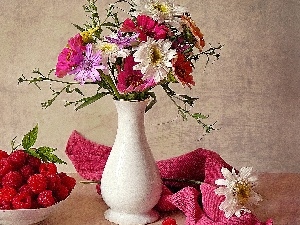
[[252, 91]]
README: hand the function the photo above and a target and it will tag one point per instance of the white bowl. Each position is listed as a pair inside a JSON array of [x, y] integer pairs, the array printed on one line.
[[25, 216]]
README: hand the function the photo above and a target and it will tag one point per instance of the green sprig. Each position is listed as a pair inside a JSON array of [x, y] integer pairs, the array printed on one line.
[[45, 153], [185, 110]]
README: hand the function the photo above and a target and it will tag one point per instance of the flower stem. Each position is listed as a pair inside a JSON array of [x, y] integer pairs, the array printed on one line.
[[112, 85]]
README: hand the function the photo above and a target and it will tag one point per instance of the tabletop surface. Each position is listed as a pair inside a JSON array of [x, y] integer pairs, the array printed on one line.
[[280, 191]]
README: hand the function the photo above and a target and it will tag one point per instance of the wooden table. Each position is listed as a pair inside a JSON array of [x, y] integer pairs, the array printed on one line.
[[281, 193]]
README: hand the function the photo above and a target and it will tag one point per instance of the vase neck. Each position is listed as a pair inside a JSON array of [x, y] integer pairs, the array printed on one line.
[[131, 112]]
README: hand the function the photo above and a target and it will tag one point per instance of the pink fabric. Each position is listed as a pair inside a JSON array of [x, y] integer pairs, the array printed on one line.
[[89, 159]]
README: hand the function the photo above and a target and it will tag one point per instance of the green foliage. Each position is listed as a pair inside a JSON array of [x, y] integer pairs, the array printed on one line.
[[30, 138], [185, 110], [46, 154], [83, 102]]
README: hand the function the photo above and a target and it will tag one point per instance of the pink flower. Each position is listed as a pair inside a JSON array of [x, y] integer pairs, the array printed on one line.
[[89, 66], [145, 26], [130, 80], [70, 56]]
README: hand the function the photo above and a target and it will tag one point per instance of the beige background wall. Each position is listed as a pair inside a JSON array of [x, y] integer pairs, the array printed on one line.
[[252, 91]]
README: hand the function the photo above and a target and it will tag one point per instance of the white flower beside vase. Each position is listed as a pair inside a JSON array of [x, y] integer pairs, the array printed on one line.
[[131, 184]]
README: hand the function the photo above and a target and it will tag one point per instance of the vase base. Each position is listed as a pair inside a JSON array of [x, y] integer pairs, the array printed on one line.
[[122, 218]]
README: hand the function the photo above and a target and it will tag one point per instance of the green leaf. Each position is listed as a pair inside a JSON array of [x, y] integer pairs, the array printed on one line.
[[46, 154], [29, 139], [78, 91], [109, 24], [199, 116], [32, 152], [188, 100], [89, 100], [152, 102]]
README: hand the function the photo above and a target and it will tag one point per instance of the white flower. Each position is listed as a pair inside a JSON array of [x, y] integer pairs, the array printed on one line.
[[161, 10], [111, 51], [154, 59], [238, 191]]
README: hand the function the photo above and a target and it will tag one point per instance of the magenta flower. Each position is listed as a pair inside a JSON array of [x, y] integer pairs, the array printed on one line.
[[130, 80], [70, 56], [89, 66], [145, 26]]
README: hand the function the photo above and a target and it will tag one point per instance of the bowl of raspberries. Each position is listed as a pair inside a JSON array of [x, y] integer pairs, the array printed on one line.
[[30, 188]]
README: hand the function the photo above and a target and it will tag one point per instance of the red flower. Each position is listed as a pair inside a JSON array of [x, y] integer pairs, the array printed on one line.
[[183, 69], [130, 80], [70, 56], [145, 26]]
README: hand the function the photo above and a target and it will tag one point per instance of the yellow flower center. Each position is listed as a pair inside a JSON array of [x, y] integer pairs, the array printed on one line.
[[108, 47], [155, 55], [161, 7], [242, 190]]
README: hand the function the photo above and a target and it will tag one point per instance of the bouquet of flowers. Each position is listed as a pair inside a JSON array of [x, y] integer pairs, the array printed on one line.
[[156, 45]]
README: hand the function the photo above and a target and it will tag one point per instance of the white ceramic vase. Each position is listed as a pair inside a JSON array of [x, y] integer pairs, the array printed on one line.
[[131, 184]]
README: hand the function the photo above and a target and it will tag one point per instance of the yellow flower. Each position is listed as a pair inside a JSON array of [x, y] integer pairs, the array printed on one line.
[[87, 35]]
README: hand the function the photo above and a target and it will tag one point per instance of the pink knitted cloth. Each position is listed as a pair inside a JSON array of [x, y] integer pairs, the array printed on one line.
[[199, 203]]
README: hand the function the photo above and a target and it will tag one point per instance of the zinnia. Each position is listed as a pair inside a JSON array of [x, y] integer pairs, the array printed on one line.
[[145, 26], [70, 56], [130, 80], [183, 70]]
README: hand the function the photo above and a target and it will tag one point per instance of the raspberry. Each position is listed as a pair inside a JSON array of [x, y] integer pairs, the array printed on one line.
[[22, 201], [169, 221], [34, 162], [26, 188], [53, 181], [46, 199], [12, 179], [5, 167], [61, 192], [18, 158], [7, 194], [68, 181], [37, 183], [3, 154], [5, 205], [26, 171], [47, 168]]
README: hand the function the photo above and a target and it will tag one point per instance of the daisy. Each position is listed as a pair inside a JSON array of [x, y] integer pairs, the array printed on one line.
[[154, 59], [89, 66], [111, 51], [163, 11], [238, 191]]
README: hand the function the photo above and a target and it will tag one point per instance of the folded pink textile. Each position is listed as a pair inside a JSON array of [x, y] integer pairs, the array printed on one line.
[[199, 203]]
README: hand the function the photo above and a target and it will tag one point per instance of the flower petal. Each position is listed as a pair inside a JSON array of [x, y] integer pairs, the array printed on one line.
[[245, 172]]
